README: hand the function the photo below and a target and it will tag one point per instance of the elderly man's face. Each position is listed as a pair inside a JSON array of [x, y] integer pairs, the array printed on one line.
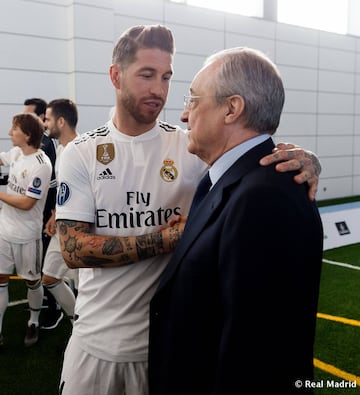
[[204, 116]]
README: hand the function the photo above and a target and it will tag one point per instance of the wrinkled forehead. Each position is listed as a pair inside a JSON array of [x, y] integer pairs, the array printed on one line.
[[204, 79]]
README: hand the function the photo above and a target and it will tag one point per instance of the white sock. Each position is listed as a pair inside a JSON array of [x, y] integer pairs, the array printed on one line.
[[64, 296], [4, 301], [35, 296]]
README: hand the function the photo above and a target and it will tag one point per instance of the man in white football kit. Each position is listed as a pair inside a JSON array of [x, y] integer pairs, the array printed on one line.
[[21, 216], [122, 200], [60, 119], [51, 312], [119, 186]]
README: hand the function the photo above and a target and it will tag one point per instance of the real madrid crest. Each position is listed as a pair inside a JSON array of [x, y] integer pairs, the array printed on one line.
[[105, 153], [168, 172]]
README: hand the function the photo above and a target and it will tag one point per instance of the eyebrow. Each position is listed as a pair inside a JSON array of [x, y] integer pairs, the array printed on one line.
[[152, 69]]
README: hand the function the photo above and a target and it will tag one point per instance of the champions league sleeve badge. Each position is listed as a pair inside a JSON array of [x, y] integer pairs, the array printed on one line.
[[36, 182], [35, 186], [63, 194], [105, 153], [168, 172]]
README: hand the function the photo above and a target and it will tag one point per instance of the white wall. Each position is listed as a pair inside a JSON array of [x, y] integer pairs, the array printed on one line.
[[63, 48]]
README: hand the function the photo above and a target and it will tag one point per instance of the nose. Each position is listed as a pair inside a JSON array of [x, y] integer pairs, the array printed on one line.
[[185, 115], [159, 87]]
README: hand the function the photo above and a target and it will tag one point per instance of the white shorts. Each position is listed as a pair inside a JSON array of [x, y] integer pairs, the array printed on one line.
[[24, 258], [83, 374], [54, 264]]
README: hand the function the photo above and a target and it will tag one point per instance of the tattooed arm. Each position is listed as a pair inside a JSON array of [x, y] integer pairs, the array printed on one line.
[[80, 248], [292, 157]]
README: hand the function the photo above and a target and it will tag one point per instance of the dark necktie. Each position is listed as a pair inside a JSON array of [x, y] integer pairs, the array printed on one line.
[[201, 191]]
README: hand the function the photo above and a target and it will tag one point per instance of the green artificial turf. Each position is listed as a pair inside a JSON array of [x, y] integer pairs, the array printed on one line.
[[36, 370]]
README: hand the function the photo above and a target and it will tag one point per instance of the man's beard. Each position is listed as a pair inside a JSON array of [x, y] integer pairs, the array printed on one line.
[[54, 133], [129, 103]]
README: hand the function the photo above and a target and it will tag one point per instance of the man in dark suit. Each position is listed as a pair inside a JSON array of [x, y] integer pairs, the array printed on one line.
[[235, 310]]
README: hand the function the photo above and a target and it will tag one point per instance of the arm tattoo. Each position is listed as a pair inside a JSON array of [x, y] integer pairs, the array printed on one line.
[[65, 224], [80, 245], [174, 237], [71, 245], [149, 245], [315, 162], [112, 246], [94, 261]]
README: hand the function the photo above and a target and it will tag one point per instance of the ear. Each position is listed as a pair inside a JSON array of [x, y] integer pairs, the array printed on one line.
[[115, 75], [235, 108], [61, 121]]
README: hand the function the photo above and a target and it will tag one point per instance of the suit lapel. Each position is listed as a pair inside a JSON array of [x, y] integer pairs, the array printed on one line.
[[196, 223], [211, 202]]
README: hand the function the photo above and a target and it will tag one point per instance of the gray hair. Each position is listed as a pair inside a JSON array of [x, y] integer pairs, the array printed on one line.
[[142, 37], [251, 74]]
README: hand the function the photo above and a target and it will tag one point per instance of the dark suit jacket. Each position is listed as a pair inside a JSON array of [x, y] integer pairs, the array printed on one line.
[[236, 307], [48, 147]]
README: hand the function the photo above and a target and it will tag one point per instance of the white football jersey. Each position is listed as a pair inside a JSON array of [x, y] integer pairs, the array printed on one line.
[[28, 175], [124, 186]]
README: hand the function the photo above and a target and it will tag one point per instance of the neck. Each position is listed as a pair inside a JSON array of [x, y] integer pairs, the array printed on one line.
[[66, 137], [28, 149], [127, 124]]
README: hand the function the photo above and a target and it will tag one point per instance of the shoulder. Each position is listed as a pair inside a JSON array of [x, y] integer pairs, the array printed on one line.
[[172, 132], [84, 147], [91, 135], [42, 158], [47, 143], [167, 127]]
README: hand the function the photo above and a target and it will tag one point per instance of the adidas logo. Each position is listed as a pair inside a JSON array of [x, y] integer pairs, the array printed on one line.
[[105, 175]]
